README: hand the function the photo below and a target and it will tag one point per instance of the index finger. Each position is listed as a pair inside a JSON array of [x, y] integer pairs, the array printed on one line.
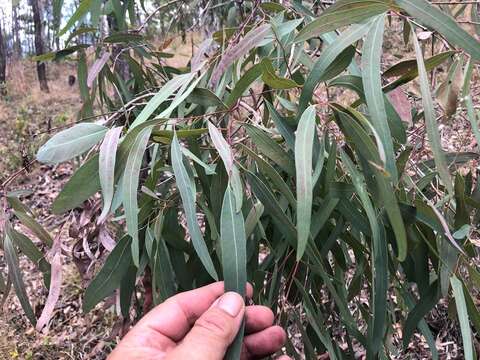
[[174, 317]]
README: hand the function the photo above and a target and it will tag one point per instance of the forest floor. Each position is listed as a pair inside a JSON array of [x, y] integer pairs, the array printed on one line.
[[27, 118]]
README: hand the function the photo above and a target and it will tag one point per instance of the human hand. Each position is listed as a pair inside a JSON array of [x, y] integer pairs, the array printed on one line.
[[201, 324]]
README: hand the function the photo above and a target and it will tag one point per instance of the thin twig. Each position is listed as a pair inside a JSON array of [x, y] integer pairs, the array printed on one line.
[[149, 17]]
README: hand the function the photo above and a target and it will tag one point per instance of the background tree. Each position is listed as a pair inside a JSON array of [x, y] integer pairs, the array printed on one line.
[[16, 40], [39, 43]]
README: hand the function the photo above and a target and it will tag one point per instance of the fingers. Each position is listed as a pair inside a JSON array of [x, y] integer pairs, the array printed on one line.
[[175, 317], [213, 332], [263, 343], [257, 318]]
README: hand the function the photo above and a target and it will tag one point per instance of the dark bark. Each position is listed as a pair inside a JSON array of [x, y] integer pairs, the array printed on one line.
[[3, 63], [39, 46]]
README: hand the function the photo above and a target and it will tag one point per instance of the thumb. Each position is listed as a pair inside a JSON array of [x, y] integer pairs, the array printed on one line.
[[214, 331]]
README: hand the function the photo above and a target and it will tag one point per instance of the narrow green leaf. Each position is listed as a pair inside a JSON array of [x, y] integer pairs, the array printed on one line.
[[82, 75], [467, 97], [371, 75], [407, 69], [244, 83], [80, 31], [186, 187], [181, 95], [303, 169], [270, 78], [107, 156], [462, 313], [78, 15], [380, 259], [422, 308], [270, 148], [163, 281], [342, 13], [362, 143], [272, 207], [109, 277], [26, 217], [15, 275], [395, 124], [70, 143], [282, 126], [205, 98], [234, 258], [163, 94], [268, 170], [326, 59], [225, 153], [130, 186], [123, 38], [430, 119], [253, 218], [82, 185], [28, 248]]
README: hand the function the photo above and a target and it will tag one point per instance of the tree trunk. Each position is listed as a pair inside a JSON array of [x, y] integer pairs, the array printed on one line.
[[39, 46], [17, 42], [3, 63]]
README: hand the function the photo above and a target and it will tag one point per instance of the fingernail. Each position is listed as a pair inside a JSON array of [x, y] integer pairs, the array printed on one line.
[[231, 303]]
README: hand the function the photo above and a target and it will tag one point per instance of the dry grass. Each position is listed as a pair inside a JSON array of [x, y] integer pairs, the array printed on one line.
[[26, 111]]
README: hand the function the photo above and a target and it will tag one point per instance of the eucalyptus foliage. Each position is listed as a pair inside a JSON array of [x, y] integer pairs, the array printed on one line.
[[227, 169]]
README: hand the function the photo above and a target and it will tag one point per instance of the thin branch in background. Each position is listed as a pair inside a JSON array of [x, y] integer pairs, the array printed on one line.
[[149, 17]]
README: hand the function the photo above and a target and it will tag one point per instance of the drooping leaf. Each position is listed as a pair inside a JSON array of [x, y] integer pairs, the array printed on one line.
[[109, 277], [234, 257], [394, 121], [422, 308], [342, 13], [78, 15], [165, 92], [227, 157], [129, 188], [430, 119], [380, 260], [270, 78], [163, 281], [29, 249], [326, 59], [107, 156], [244, 83], [14, 273], [303, 169], [372, 81], [83, 184], [123, 38], [270, 148], [269, 171], [462, 313], [282, 126], [187, 190]]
